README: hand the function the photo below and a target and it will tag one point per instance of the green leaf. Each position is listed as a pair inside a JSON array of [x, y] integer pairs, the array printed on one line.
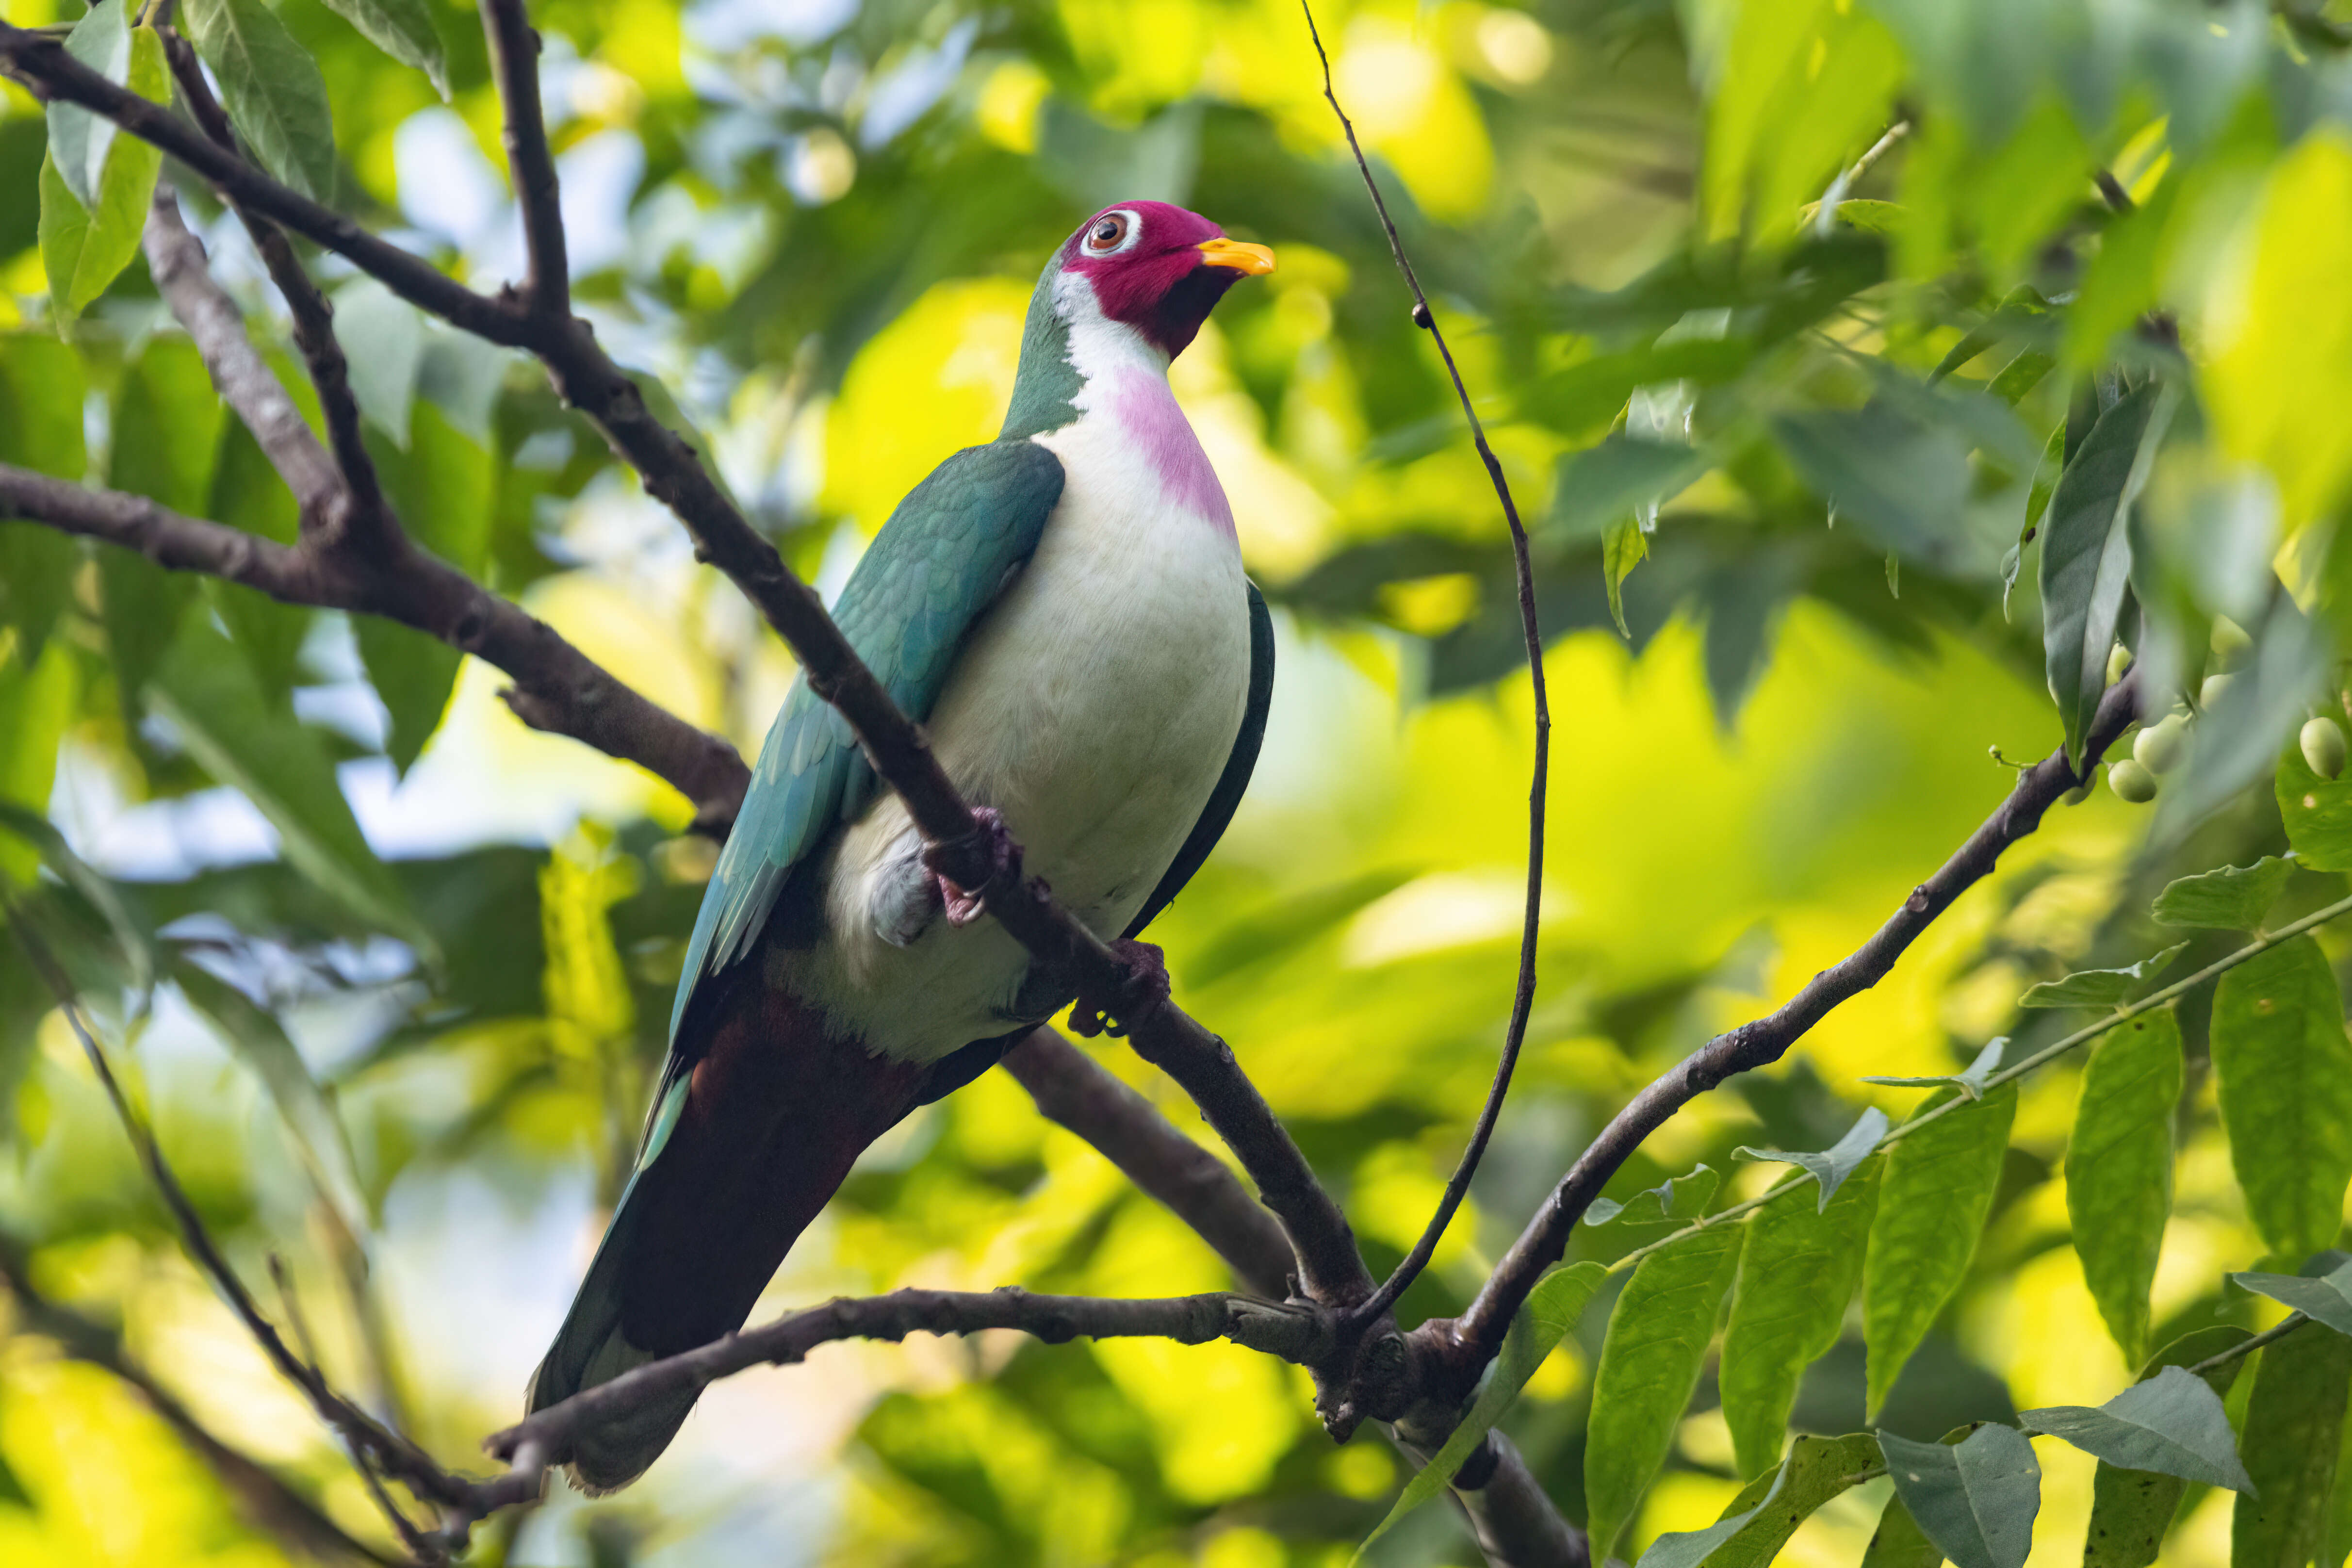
[[42, 387], [1677, 1201], [79, 141], [2119, 1169], [166, 431], [86, 244], [402, 29], [383, 337], [2131, 1509], [248, 494], [2285, 1073], [2086, 554], [2099, 988], [2317, 812], [1622, 548], [1932, 1203], [1831, 1167], [137, 944], [1903, 479], [1552, 1311], [1797, 1269], [271, 88], [445, 483], [2234, 898], [1969, 1081], [1898, 1541], [257, 1040], [1650, 1362], [1771, 1507], [2326, 1300], [2294, 1428], [1976, 1502], [2020, 375], [1609, 483], [2173, 1423], [216, 710], [37, 704]]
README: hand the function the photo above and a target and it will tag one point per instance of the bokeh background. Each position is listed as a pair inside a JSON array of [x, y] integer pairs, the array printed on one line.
[[417, 1079]]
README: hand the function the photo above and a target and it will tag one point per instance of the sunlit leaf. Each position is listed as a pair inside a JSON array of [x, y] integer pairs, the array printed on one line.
[[1832, 1166], [1604, 485], [1969, 1081], [1932, 1203], [80, 141], [2285, 1072], [1677, 1201], [1650, 1361], [85, 245], [2326, 1300]]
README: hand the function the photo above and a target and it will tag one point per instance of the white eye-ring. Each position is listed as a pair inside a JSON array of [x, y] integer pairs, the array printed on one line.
[[1111, 233]]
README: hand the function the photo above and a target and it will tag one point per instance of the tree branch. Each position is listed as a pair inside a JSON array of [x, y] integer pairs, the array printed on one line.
[[267, 1498], [514, 60], [557, 687], [1297, 1335], [1524, 996], [1475, 1339], [1130, 1132], [366, 521], [175, 259]]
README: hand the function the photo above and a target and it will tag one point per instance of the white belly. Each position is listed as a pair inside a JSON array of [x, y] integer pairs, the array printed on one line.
[[1096, 708]]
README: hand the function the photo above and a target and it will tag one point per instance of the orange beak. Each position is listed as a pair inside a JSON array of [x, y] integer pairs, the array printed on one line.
[[1250, 260]]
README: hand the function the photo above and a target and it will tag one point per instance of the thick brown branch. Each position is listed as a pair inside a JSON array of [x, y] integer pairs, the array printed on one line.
[[1294, 1334], [267, 1498], [1470, 1343], [175, 259], [514, 60], [557, 687], [1130, 1131], [1523, 997]]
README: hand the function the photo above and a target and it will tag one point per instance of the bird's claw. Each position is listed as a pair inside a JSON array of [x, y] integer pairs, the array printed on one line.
[[962, 906], [1142, 986]]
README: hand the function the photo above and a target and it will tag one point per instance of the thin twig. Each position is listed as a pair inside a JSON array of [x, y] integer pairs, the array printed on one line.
[[1297, 1334], [2252, 1343], [266, 1498], [1477, 1335], [2041, 1058], [1523, 998], [514, 60]]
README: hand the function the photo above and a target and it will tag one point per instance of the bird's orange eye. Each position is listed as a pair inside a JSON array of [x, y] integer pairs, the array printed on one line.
[[1106, 234]]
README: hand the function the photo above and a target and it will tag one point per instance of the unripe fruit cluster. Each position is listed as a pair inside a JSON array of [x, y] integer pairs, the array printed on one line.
[[2159, 747]]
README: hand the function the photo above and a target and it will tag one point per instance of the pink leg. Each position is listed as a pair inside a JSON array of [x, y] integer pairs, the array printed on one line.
[[964, 907]]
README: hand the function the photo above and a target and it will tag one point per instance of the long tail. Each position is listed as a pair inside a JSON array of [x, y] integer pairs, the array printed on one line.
[[746, 1147]]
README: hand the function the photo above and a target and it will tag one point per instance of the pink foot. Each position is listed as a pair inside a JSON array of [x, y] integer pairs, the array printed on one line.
[[998, 854], [1143, 987]]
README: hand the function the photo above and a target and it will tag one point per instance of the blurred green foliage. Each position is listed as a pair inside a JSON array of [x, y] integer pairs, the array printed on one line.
[[1788, 435]]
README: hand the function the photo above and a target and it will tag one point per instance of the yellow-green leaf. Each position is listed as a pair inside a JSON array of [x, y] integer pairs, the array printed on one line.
[[2119, 1169], [1932, 1203], [2285, 1072], [85, 248]]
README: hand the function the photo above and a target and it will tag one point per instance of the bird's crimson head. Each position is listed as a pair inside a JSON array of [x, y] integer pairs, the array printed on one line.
[[1159, 269]]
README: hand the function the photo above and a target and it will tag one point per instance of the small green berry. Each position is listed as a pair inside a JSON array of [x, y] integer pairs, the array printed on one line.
[[2131, 782], [2230, 644], [2119, 659], [2213, 689], [2159, 747], [2076, 796], [2323, 747]]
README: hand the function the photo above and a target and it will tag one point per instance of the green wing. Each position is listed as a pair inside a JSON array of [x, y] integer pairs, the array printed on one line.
[[937, 563]]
